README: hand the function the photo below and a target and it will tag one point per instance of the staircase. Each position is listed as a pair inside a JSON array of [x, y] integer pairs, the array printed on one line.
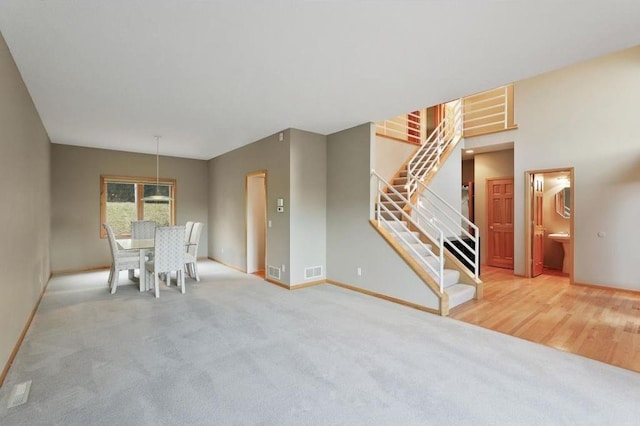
[[423, 228]]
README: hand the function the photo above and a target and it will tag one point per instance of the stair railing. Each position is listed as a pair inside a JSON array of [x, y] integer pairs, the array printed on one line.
[[459, 230], [398, 227], [428, 157]]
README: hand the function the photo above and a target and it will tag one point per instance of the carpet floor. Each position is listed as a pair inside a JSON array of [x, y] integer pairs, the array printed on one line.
[[235, 350]]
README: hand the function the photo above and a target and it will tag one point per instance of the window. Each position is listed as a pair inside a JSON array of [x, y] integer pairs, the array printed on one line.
[[121, 201]]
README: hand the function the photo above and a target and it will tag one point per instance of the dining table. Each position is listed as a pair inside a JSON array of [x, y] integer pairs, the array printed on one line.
[[144, 246]]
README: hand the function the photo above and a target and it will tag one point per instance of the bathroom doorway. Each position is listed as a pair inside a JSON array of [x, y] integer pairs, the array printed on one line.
[[256, 230], [549, 215]]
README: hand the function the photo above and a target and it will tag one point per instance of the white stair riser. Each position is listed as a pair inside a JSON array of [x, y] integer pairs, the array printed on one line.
[[460, 293], [395, 225]]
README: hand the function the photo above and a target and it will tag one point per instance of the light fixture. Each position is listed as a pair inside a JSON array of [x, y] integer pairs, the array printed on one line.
[[157, 196], [469, 151]]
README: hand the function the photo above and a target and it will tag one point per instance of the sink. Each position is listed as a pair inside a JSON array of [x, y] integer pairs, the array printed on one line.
[[560, 237], [564, 239]]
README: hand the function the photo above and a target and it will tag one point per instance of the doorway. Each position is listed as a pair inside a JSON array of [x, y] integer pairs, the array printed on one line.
[[549, 218], [256, 230]]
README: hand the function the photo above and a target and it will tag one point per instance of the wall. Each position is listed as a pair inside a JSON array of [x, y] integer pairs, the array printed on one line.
[[308, 204], [585, 116], [488, 165], [552, 221], [25, 212], [227, 209], [75, 206], [446, 184], [351, 240], [390, 155], [468, 171]]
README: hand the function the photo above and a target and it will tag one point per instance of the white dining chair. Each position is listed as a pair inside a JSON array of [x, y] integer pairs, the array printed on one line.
[[191, 256], [143, 229], [187, 231], [122, 260], [168, 257]]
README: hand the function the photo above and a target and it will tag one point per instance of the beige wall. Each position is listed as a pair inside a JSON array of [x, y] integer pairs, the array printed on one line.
[[584, 117], [25, 211], [75, 206], [308, 204], [390, 155], [467, 171], [227, 203], [296, 171], [351, 240], [496, 164]]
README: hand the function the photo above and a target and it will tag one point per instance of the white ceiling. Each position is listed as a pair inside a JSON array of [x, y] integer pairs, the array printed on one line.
[[210, 76]]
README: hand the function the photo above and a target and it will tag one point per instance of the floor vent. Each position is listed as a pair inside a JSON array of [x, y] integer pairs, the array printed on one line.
[[313, 272], [274, 272], [19, 394]]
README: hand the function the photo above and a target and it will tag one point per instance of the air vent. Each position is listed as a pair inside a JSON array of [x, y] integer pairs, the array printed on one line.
[[274, 272], [19, 394], [313, 272]]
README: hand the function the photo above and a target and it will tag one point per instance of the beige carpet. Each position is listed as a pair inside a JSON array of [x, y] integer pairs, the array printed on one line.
[[236, 350]]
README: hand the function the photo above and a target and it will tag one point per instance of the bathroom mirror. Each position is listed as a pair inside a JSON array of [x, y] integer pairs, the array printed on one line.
[[563, 202]]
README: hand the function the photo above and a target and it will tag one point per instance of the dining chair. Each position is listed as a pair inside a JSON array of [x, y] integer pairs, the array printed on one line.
[[191, 256], [187, 231], [168, 257], [141, 230], [122, 260]]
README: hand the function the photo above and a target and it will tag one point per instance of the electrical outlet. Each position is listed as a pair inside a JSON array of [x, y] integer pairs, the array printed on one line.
[[283, 268], [222, 250], [359, 271]]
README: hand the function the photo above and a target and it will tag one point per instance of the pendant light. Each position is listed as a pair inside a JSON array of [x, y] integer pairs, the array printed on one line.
[[157, 196]]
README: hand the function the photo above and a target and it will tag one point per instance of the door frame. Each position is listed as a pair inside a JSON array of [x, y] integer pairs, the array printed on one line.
[[537, 227], [528, 231], [246, 217]]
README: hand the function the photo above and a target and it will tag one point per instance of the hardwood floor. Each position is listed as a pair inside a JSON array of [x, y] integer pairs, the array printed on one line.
[[597, 323]]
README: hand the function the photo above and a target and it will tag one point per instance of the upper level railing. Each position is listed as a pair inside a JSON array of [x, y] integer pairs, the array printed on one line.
[[406, 128], [488, 112]]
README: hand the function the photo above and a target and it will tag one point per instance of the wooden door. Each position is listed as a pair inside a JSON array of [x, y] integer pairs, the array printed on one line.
[[500, 222], [537, 249]]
